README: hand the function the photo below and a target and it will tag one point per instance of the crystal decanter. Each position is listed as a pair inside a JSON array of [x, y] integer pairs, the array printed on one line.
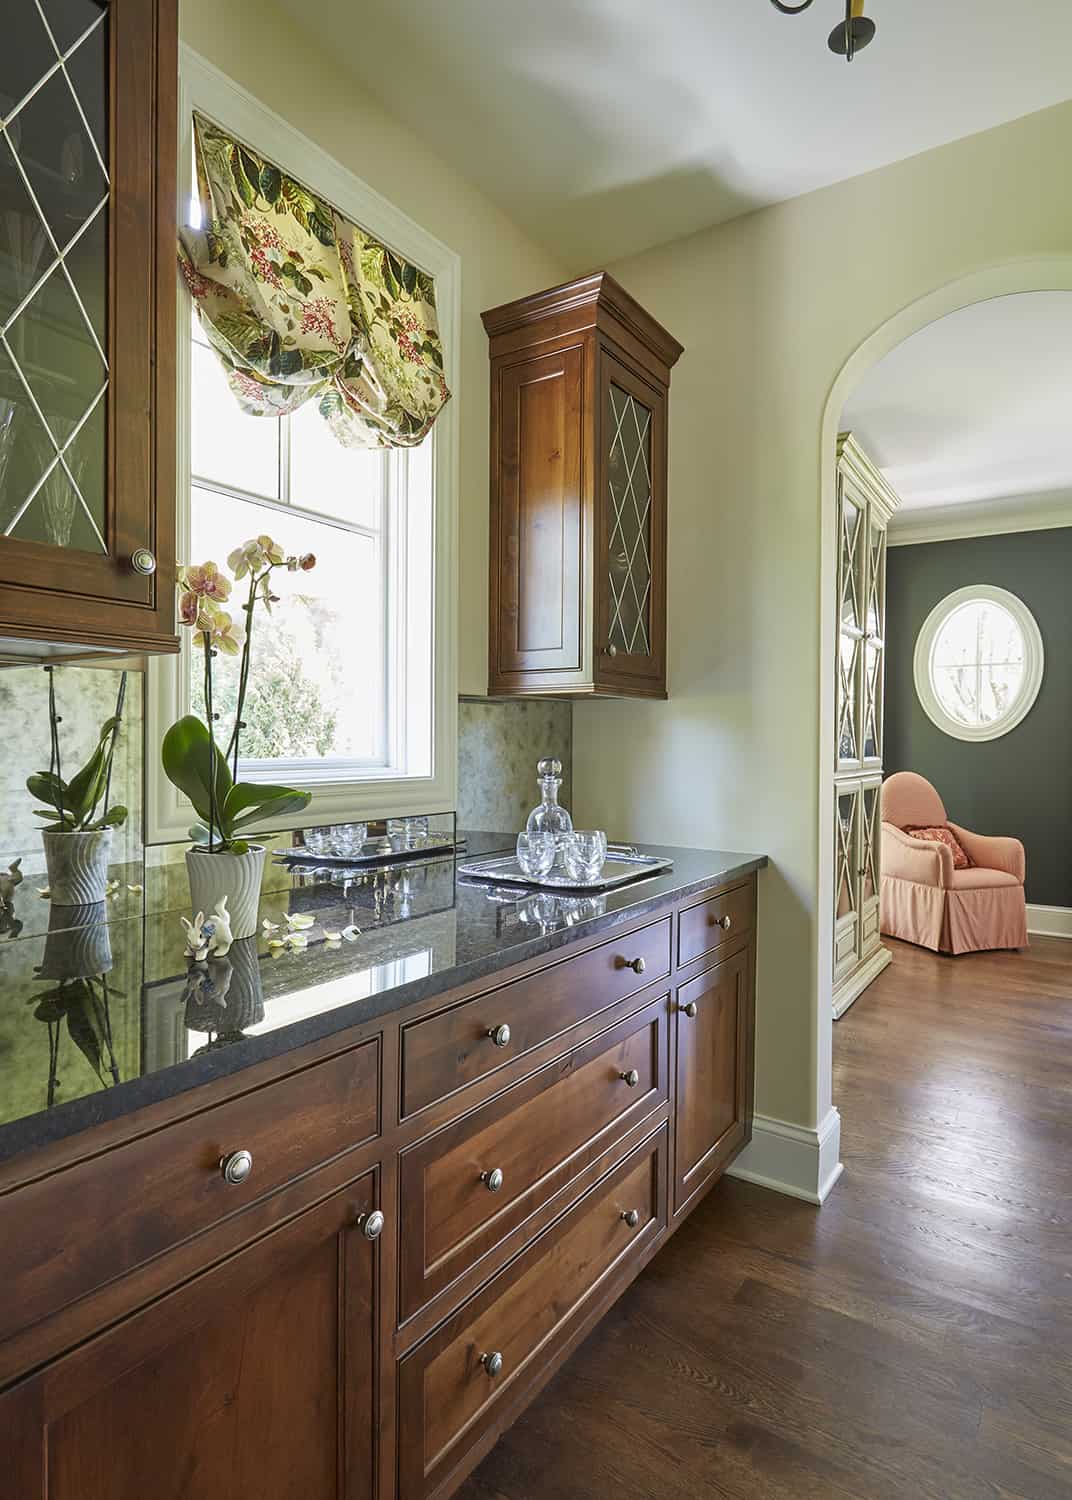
[[549, 817]]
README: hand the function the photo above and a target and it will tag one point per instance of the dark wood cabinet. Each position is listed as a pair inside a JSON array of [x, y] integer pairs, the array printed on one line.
[[715, 1019], [580, 377], [525, 1143], [255, 1378], [87, 316]]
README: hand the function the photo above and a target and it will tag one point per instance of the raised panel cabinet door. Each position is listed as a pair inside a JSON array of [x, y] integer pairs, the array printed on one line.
[[256, 1378], [87, 301], [631, 532], [537, 541], [714, 1023]]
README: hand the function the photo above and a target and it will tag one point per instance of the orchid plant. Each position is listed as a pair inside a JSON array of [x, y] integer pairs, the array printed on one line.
[[192, 760]]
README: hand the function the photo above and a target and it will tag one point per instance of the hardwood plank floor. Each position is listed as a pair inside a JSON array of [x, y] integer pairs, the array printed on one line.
[[911, 1339]]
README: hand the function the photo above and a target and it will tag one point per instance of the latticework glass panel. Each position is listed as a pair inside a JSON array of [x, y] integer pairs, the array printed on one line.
[[54, 274], [870, 832], [844, 850], [848, 657], [849, 565], [629, 560]]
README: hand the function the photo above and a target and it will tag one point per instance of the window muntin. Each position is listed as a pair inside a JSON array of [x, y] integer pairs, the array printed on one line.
[[978, 663]]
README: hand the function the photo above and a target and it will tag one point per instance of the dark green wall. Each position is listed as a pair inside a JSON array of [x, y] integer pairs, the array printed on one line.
[[1020, 784]]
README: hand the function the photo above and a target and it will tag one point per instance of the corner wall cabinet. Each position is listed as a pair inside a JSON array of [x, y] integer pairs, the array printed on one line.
[[865, 503], [87, 336], [580, 379], [432, 1211]]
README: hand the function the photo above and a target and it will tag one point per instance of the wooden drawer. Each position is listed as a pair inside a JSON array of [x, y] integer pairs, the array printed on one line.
[[455, 1047], [722, 919], [448, 1398], [98, 1219], [539, 1135]]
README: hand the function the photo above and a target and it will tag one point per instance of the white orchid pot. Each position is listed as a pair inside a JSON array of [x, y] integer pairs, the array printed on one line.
[[236, 876], [78, 866]]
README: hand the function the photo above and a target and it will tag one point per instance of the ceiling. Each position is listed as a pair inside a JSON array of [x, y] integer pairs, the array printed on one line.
[[606, 126], [975, 408]]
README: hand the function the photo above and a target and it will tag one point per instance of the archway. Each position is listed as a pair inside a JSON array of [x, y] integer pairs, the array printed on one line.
[[1053, 273]]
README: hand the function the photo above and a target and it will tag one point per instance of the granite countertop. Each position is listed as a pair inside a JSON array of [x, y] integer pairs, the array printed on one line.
[[100, 1020]]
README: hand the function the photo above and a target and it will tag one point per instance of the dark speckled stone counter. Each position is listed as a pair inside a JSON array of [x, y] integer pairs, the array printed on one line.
[[99, 1021]]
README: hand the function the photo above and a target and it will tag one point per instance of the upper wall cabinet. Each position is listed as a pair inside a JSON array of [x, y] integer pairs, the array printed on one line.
[[87, 335], [580, 377]]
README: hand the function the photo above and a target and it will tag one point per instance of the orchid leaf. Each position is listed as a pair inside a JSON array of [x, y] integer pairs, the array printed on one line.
[[187, 758]]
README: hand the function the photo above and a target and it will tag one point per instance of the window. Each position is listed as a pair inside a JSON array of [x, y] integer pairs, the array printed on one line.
[[327, 701], [354, 686], [978, 663]]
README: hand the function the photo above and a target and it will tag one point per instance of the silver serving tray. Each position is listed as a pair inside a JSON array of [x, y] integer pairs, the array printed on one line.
[[618, 869]]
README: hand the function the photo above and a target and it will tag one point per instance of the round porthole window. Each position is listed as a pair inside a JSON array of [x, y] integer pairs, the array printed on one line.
[[978, 662]]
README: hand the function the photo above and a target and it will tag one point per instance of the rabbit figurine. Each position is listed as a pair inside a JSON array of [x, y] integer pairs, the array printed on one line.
[[219, 927], [8, 883], [197, 939]]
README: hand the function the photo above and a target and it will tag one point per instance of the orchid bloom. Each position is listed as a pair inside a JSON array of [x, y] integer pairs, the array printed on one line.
[[224, 633], [206, 581], [254, 556]]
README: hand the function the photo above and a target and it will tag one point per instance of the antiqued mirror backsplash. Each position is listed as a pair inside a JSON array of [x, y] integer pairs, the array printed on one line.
[[499, 743]]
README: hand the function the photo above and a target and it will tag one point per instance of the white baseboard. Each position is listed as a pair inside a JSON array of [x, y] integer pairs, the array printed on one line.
[[1050, 921], [854, 987], [792, 1159]]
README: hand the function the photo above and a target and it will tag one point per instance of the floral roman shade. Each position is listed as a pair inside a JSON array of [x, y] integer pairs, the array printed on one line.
[[302, 305]]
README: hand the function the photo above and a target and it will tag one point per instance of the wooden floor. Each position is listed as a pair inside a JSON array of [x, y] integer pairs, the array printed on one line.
[[913, 1338]]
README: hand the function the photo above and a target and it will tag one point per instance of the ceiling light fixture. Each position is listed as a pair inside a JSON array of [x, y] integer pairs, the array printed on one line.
[[849, 36]]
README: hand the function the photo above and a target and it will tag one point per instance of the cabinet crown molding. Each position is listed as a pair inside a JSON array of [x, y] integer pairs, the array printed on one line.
[[592, 298]]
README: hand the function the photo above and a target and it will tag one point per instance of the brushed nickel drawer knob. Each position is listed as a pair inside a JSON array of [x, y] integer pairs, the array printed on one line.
[[691, 1010], [492, 1363], [725, 922], [632, 1078], [610, 650], [638, 965], [492, 1180], [236, 1167], [631, 1217], [371, 1225], [142, 561], [500, 1035]]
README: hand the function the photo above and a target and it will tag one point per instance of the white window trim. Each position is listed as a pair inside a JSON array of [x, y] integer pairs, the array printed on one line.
[[168, 816], [1033, 663]]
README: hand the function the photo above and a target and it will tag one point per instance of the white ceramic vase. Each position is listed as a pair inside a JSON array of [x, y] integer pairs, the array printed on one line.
[[236, 876], [77, 866]]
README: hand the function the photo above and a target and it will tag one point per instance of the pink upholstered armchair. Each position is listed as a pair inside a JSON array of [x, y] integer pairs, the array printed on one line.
[[925, 900]]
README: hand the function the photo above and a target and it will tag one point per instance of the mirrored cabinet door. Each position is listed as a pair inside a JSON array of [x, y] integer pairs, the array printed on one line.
[[852, 550], [87, 194], [846, 878], [874, 646]]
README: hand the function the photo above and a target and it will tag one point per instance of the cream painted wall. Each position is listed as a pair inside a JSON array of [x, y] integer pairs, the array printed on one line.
[[770, 307], [263, 51]]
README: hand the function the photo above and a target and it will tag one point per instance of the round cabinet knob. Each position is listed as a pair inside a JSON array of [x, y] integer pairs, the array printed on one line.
[[143, 561], [691, 1010], [372, 1224], [632, 1078], [724, 922], [631, 1217], [492, 1180], [610, 650], [236, 1167], [492, 1363], [500, 1035], [637, 965]]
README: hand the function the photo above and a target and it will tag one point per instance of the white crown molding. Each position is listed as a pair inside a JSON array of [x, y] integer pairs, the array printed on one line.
[[792, 1159], [1049, 921], [1008, 513]]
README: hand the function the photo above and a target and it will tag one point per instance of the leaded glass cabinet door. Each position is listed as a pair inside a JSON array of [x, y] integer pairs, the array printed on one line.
[[852, 550], [846, 878], [631, 533], [868, 871], [87, 294], [874, 645]]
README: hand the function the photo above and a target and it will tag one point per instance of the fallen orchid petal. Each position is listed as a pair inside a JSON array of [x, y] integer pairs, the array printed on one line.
[[44, 892], [137, 889], [299, 919]]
